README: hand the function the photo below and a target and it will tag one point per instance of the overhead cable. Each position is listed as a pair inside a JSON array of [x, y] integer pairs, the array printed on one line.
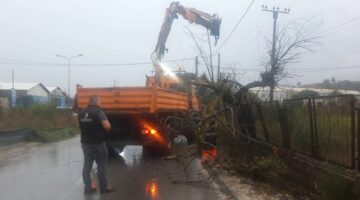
[[235, 27]]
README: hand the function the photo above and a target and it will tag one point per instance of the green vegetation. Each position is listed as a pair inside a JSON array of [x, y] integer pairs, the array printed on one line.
[[55, 135], [305, 94], [268, 168], [333, 187], [1, 113], [332, 125], [48, 123], [299, 126], [337, 85]]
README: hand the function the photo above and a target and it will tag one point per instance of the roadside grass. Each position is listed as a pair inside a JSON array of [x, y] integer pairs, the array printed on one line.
[[333, 131], [55, 135], [46, 122]]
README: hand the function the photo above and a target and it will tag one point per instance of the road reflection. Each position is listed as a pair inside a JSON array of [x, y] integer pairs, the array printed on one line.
[[132, 155], [152, 189]]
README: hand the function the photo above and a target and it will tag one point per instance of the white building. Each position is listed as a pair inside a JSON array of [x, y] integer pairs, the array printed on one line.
[[281, 93]]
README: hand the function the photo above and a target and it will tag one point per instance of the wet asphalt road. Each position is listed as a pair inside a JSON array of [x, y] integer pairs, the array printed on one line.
[[53, 171]]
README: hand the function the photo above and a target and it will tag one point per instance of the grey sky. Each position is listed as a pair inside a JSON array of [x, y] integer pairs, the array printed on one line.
[[125, 31]]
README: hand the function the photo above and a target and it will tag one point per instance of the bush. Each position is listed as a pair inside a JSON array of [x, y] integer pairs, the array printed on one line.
[[43, 110], [268, 168], [37, 117]]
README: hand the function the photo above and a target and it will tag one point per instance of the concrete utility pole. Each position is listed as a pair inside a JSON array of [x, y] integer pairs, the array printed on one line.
[[218, 68], [275, 12], [69, 63], [197, 67], [196, 73], [13, 91]]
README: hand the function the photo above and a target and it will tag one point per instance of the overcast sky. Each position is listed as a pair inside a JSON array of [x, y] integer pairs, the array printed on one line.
[[125, 31]]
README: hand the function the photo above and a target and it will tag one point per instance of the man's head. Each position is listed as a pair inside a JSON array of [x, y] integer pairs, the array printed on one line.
[[94, 100]]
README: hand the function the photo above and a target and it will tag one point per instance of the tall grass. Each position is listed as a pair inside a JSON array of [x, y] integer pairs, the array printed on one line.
[[47, 123], [37, 117], [1, 113]]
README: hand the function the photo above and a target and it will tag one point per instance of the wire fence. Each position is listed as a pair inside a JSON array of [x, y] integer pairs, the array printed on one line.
[[324, 128]]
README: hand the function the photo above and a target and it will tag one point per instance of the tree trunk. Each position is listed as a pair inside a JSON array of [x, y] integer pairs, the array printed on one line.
[[271, 93]]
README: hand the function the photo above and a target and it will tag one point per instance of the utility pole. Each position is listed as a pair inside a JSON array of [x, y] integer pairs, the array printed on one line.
[[197, 67], [13, 91], [218, 68], [196, 73], [275, 12]]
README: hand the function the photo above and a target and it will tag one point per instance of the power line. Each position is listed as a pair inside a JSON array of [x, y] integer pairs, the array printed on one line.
[[40, 63], [302, 69], [333, 29], [326, 69], [235, 27]]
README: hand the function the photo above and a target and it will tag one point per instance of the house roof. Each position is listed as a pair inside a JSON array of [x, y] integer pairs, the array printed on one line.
[[55, 90], [52, 88], [20, 85]]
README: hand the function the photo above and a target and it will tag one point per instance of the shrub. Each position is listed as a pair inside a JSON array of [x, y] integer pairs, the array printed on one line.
[[269, 168], [43, 110], [37, 117]]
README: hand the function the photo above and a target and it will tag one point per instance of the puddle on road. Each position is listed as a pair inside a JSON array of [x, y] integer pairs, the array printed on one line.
[[133, 154]]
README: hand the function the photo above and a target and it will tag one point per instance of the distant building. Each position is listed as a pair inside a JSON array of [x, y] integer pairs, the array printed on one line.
[[58, 95], [282, 93], [4, 102], [25, 93]]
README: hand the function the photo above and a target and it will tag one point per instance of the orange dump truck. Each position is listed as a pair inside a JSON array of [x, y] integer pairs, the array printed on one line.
[[150, 116], [137, 100]]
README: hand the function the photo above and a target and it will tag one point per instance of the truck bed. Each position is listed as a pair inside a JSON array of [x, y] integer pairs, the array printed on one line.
[[122, 100]]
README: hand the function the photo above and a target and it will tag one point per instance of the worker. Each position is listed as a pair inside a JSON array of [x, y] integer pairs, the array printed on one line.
[[94, 125]]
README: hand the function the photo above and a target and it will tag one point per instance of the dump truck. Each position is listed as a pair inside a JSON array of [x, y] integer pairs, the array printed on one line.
[[155, 114]]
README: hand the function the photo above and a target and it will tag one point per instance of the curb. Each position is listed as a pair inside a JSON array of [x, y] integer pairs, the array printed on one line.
[[222, 186]]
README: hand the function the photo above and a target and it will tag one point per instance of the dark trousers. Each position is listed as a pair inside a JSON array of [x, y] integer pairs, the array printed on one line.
[[99, 154]]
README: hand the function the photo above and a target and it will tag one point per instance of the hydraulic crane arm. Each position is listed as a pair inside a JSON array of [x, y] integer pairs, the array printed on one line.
[[211, 22]]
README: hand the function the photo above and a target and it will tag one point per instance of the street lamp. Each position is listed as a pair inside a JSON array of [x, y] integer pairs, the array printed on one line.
[[69, 62]]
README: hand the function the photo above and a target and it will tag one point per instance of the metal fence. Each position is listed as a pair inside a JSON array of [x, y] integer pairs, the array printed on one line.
[[324, 128], [267, 122]]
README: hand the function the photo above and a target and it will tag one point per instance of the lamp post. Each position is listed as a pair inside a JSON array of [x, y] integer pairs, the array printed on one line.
[[69, 62]]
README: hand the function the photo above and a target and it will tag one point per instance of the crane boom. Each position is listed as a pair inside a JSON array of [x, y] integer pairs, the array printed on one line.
[[192, 15]]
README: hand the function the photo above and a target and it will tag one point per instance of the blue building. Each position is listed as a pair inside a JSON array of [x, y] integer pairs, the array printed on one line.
[[24, 93]]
